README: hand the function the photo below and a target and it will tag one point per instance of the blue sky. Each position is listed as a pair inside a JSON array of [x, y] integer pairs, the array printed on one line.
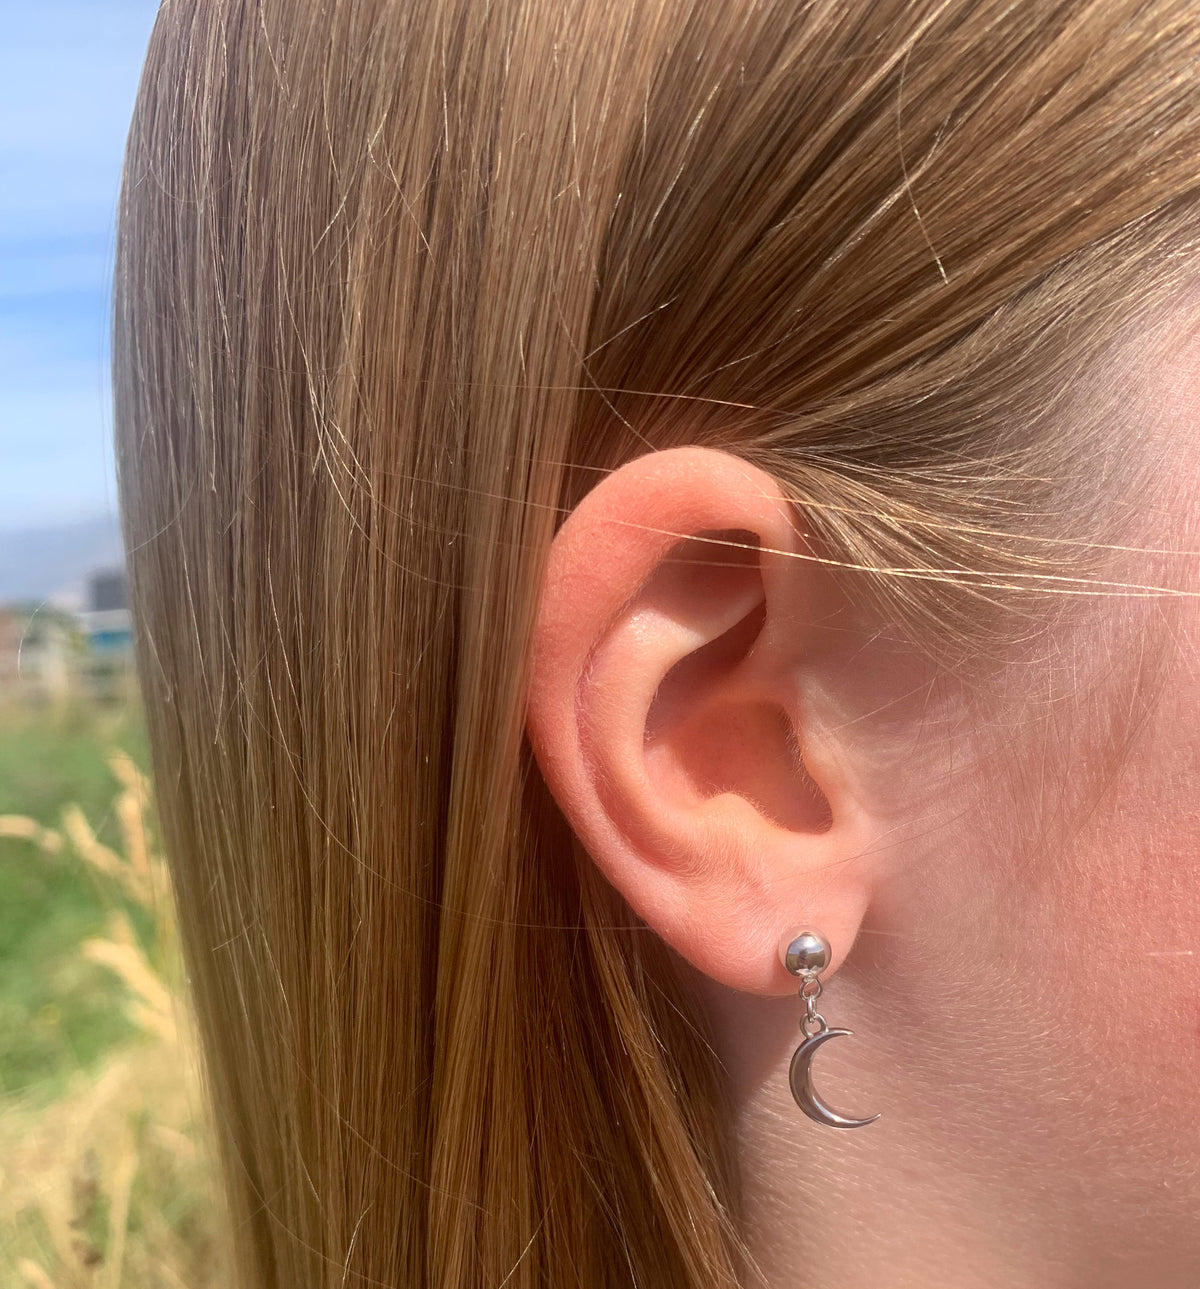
[[68, 75]]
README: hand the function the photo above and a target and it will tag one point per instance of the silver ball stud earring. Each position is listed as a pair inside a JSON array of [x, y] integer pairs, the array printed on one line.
[[806, 954]]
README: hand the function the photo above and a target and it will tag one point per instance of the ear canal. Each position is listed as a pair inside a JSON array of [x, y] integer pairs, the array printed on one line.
[[712, 728]]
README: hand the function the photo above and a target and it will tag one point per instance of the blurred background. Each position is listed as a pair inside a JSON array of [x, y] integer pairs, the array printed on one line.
[[105, 1174]]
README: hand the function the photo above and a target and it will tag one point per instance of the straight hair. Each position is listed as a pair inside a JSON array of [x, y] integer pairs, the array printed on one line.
[[395, 283]]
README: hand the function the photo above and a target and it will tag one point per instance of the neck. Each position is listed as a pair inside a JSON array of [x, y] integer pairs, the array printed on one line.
[[979, 1174]]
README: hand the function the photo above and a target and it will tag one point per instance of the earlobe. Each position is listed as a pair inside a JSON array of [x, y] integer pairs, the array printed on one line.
[[667, 717]]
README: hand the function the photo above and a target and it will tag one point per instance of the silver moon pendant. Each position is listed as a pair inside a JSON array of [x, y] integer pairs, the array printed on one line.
[[800, 1077]]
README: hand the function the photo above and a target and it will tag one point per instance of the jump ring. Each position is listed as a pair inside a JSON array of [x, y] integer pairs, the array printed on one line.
[[814, 1019]]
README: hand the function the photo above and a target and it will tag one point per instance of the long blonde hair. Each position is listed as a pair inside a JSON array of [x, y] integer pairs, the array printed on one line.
[[394, 282]]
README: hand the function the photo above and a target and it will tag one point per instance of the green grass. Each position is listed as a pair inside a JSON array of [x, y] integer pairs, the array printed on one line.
[[106, 1175], [59, 1012]]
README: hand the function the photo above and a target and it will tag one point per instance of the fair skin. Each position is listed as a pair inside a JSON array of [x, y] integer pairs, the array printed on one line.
[[1011, 929]]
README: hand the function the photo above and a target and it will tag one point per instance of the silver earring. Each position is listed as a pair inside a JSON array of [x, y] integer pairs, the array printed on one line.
[[806, 954]]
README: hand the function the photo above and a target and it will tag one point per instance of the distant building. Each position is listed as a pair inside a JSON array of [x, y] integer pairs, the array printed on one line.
[[107, 631], [39, 648], [106, 591], [48, 652], [105, 620]]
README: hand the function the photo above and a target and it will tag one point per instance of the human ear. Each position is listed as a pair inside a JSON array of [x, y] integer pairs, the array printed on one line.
[[670, 717]]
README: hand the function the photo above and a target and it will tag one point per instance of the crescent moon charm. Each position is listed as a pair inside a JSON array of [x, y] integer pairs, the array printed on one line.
[[800, 1077]]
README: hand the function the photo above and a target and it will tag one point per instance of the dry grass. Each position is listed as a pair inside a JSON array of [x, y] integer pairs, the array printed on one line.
[[109, 1185]]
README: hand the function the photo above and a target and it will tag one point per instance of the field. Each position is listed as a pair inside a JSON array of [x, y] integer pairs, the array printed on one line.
[[105, 1166]]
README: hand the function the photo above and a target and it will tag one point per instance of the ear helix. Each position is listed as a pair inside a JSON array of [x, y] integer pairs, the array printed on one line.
[[806, 953]]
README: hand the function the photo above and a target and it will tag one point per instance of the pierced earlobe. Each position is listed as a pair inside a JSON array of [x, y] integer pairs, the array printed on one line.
[[806, 953]]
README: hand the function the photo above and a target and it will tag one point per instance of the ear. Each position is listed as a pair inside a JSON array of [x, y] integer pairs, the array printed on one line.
[[669, 713]]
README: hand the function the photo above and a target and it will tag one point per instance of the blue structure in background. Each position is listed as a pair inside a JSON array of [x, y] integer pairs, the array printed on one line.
[[105, 622]]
